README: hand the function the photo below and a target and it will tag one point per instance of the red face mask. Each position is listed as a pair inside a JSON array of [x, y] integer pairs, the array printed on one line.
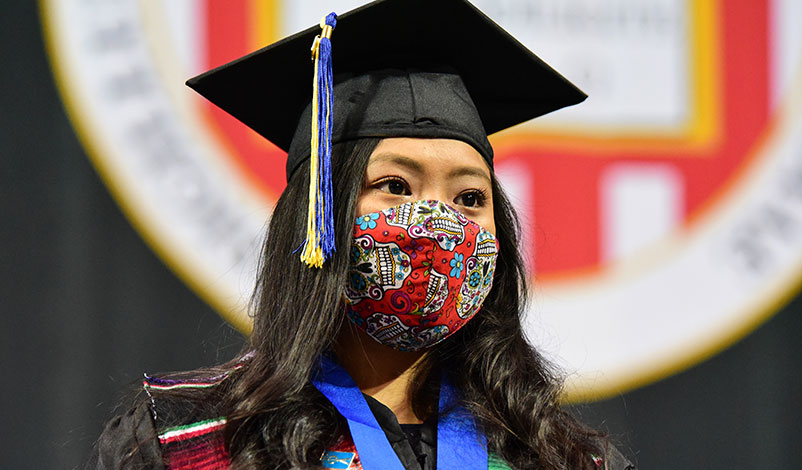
[[419, 272]]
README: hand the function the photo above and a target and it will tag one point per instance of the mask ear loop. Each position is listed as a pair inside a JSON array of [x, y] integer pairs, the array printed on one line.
[[319, 243]]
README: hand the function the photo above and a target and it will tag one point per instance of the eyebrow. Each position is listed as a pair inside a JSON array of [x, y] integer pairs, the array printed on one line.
[[469, 171], [407, 162], [415, 166]]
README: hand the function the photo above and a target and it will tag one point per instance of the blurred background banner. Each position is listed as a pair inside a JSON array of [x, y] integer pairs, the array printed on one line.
[[662, 217], [659, 215]]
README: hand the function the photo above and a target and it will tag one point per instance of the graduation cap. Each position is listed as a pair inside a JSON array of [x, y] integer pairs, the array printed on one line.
[[393, 68]]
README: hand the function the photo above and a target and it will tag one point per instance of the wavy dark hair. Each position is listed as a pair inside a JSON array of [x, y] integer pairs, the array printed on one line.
[[277, 419]]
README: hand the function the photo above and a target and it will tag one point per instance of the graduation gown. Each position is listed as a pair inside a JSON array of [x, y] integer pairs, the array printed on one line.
[[140, 439]]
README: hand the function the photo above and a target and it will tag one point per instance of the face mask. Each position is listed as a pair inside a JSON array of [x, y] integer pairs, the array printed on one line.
[[419, 272]]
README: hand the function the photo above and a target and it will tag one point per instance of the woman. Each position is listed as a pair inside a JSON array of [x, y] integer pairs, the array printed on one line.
[[401, 347]]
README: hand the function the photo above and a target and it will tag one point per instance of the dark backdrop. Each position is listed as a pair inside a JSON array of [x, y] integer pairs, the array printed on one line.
[[86, 308]]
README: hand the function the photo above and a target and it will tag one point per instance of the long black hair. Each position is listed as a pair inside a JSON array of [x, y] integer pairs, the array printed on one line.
[[277, 419]]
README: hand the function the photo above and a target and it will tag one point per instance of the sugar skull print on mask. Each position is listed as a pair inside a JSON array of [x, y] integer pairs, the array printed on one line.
[[418, 273]]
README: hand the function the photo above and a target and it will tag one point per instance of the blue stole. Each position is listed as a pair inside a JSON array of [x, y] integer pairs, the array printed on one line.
[[459, 443]]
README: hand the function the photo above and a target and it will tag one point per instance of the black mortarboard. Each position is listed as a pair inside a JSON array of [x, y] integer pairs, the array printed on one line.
[[402, 68]]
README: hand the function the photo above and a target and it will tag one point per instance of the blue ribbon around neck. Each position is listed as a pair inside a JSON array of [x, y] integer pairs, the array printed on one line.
[[459, 444]]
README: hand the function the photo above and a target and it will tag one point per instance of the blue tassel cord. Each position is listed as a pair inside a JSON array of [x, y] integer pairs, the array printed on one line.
[[319, 243]]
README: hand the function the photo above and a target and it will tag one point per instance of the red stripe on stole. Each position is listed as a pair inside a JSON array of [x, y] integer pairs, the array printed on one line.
[[200, 455]]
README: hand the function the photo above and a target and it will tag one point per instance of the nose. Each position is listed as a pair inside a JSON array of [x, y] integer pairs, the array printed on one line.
[[434, 190]]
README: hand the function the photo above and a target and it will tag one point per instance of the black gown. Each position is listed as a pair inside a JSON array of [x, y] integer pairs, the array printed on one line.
[[415, 445]]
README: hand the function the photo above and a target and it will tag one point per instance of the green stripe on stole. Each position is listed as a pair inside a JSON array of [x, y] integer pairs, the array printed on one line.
[[494, 462]]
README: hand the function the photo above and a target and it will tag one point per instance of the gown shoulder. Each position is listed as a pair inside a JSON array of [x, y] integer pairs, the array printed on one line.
[[162, 427], [615, 460], [129, 441]]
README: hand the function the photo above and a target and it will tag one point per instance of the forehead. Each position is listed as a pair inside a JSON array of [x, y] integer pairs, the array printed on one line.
[[429, 155]]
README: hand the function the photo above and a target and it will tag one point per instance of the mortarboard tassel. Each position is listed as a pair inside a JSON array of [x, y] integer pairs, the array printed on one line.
[[319, 244]]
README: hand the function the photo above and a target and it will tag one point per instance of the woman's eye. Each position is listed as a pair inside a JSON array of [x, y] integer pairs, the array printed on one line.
[[394, 186], [470, 199]]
